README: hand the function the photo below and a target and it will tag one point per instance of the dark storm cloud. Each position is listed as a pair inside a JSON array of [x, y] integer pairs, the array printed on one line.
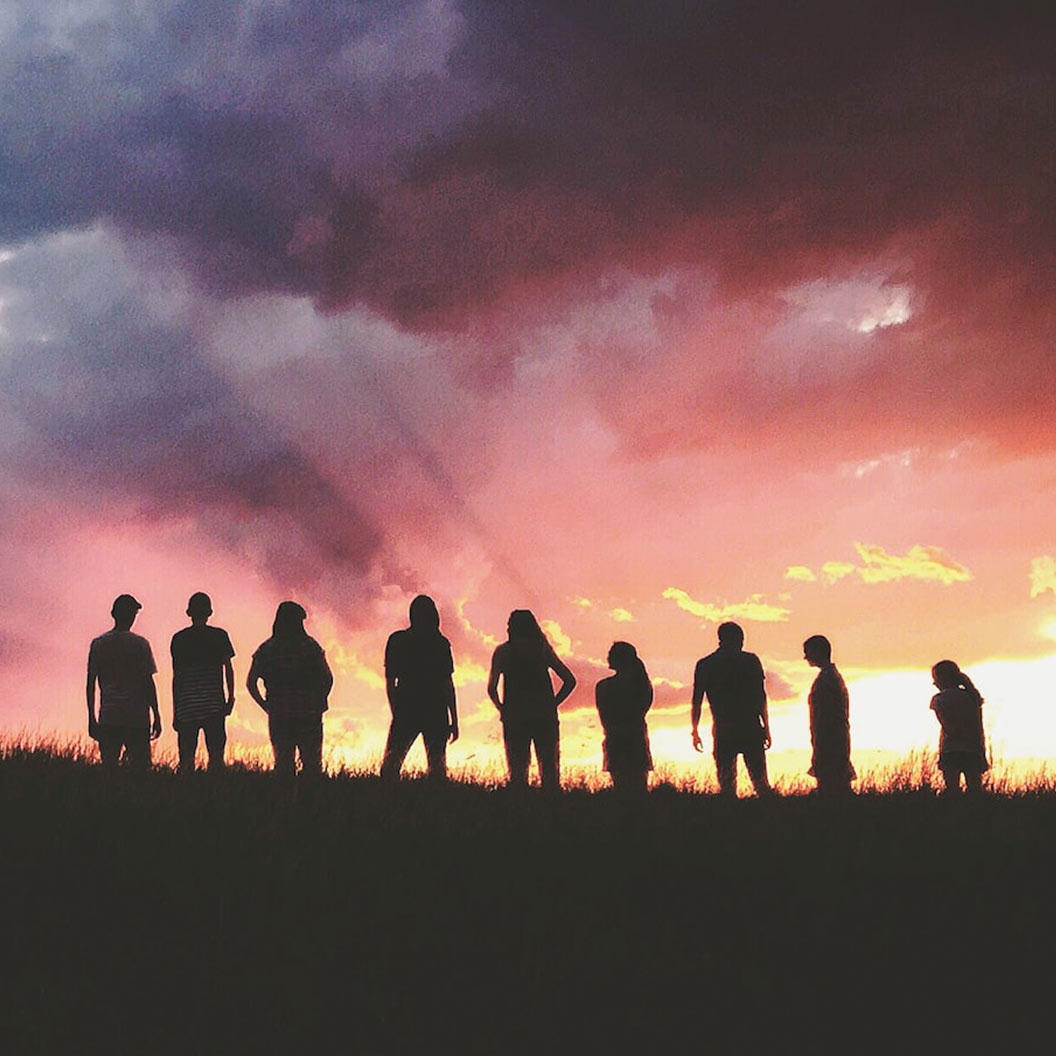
[[115, 407], [426, 157]]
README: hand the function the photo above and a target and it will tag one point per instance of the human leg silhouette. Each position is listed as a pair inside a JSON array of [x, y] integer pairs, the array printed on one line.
[[402, 735], [547, 737], [187, 743], [215, 742], [517, 740]]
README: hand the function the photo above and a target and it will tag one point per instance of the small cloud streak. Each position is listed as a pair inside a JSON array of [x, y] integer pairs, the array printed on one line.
[[561, 642], [833, 571], [919, 562], [1042, 575], [621, 615], [754, 609]]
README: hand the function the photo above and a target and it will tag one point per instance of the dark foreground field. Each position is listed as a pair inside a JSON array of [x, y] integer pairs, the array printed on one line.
[[234, 915]]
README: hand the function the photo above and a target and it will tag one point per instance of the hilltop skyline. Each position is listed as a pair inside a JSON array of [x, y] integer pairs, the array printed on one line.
[[643, 318]]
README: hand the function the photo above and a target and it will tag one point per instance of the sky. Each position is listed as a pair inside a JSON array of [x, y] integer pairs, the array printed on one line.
[[642, 316]]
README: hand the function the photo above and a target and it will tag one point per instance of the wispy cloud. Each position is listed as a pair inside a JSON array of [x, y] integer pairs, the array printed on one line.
[[919, 562], [754, 608], [621, 615], [1042, 575], [832, 571]]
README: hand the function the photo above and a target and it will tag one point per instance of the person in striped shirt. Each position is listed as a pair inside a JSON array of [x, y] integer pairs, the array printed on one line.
[[201, 672]]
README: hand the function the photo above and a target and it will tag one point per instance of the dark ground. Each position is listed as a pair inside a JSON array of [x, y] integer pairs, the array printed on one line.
[[169, 915]]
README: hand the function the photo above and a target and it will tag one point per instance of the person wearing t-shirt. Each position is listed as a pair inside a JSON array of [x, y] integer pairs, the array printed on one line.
[[122, 665], [201, 672], [528, 704], [962, 742], [421, 692], [733, 681], [830, 727], [297, 681]]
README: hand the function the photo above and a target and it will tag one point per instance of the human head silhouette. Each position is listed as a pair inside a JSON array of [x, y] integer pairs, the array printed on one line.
[[200, 607], [817, 650], [524, 627], [124, 610], [731, 635], [424, 615], [289, 620], [947, 675], [622, 656]]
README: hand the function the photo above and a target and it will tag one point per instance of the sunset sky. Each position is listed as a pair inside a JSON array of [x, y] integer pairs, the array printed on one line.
[[641, 315]]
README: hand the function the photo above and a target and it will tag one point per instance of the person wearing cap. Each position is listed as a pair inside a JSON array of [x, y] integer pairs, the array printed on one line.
[[421, 691], [297, 681], [201, 672], [734, 683], [122, 665]]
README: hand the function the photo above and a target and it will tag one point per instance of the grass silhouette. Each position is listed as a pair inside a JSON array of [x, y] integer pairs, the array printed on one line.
[[233, 913]]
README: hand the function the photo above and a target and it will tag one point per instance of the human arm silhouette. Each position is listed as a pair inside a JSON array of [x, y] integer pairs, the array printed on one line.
[[764, 711], [93, 726], [493, 681], [229, 679], [152, 699], [568, 680], [452, 711], [698, 704], [253, 685]]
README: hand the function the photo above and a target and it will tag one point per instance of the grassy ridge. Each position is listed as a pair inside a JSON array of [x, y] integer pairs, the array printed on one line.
[[203, 915]]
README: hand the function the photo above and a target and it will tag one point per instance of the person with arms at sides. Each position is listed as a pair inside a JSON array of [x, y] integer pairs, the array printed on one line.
[[122, 665], [830, 727], [733, 682], [528, 705], [420, 687], [201, 672], [962, 743], [622, 701], [297, 681]]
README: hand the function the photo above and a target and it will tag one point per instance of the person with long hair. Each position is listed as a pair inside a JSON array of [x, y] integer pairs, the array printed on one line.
[[623, 700], [420, 687], [297, 681], [528, 704], [958, 706]]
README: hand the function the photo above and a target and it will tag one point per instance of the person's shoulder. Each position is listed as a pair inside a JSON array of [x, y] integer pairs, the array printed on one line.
[[313, 645], [182, 635], [502, 650]]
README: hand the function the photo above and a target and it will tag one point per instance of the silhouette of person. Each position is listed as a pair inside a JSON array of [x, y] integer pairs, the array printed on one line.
[[201, 668], [421, 691], [622, 701], [297, 681], [962, 743], [528, 705], [122, 665], [733, 682], [830, 728]]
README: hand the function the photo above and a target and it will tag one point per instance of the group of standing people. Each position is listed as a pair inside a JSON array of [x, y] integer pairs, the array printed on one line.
[[419, 681]]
